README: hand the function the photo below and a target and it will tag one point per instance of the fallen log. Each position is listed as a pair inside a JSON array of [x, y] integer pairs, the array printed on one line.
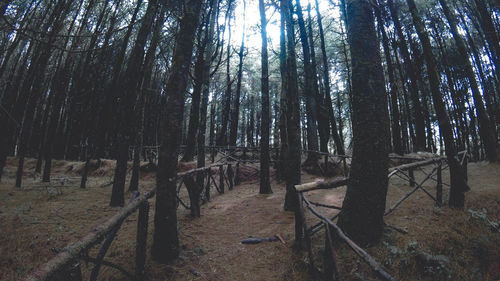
[[321, 184]]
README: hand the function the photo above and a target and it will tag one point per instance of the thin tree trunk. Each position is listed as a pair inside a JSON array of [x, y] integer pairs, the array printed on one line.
[[339, 144], [233, 131], [396, 128], [265, 185]]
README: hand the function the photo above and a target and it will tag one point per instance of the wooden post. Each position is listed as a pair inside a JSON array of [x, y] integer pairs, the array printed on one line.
[[194, 195], [345, 166], [464, 167], [141, 240], [298, 222], [237, 180], [207, 185], [439, 186], [326, 164], [230, 176], [330, 269], [307, 243], [221, 178], [412, 177]]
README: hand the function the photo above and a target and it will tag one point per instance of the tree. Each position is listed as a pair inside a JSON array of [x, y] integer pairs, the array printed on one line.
[[131, 88], [292, 158], [339, 144], [235, 113], [364, 205], [309, 93], [166, 239], [458, 185], [265, 185], [486, 130], [416, 108], [396, 131]]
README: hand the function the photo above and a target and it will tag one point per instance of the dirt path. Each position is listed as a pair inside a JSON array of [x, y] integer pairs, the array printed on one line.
[[212, 244]]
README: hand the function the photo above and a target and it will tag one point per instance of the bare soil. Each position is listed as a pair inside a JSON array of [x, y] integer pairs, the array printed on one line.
[[38, 220]]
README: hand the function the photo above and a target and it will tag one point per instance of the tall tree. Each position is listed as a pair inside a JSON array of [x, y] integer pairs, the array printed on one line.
[[486, 130], [235, 113], [339, 144], [364, 205], [416, 108], [292, 158], [458, 184], [308, 90], [490, 33], [265, 185], [207, 62], [393, 86], [222, 138], [130, 89], [166, 238]]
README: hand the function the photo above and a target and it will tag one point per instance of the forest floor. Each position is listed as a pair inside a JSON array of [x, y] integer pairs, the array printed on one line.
[[37, 221]]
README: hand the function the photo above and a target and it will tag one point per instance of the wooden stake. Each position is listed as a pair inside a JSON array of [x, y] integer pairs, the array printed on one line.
[[141, 240]]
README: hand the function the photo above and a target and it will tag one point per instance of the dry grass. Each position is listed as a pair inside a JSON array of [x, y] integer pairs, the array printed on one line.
[[34, 225]]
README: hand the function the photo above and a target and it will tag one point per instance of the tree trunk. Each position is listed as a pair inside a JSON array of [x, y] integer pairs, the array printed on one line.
[[339, 144], [292, 158], [265, 185], [165, 246], [311, 101], [130, 87], [396, 128], [458, 183], [362, 212], [233, 131], [416, 108], [486, 131]]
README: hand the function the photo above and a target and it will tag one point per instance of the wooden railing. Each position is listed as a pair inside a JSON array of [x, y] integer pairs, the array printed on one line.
[[65, 265], [304, 234]]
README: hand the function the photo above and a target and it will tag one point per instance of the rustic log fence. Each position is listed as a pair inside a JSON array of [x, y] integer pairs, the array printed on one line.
[[304, 234], [65, 266], [198, 183]]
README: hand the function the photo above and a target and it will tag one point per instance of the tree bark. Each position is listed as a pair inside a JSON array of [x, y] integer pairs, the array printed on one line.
[[165, 246], [363, 208], [292, 158]]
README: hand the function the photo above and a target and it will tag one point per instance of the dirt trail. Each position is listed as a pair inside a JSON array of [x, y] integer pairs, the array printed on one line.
[[212, 244]]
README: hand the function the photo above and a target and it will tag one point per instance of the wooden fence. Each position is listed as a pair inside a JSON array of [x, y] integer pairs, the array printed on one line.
[[303, 234], [66, 267]]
